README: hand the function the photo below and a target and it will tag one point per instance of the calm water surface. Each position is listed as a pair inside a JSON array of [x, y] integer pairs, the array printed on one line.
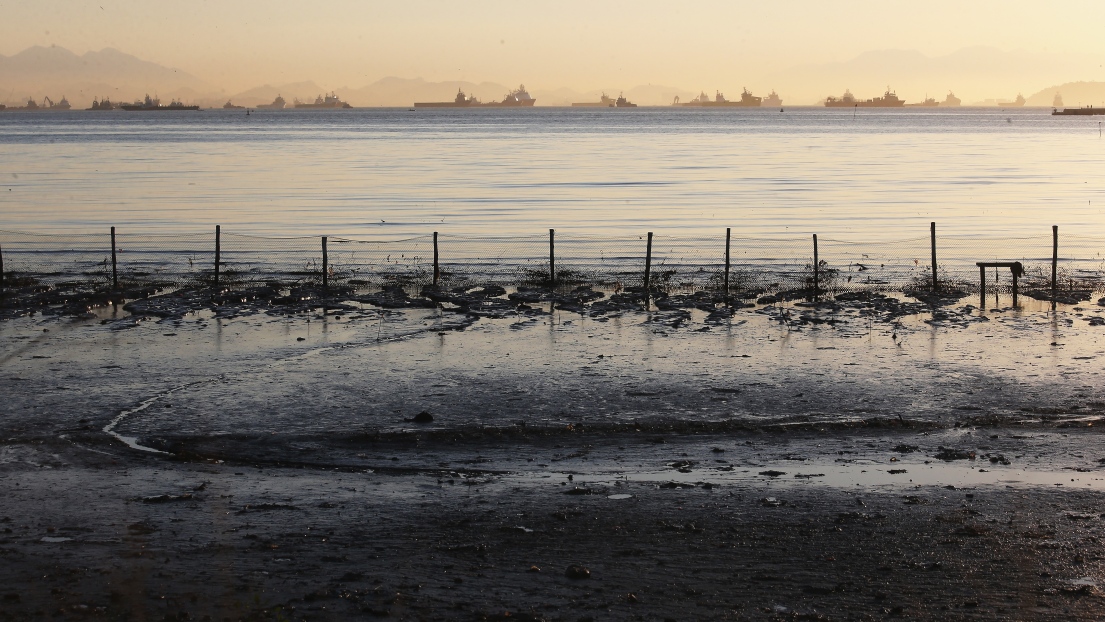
[[387, 173]]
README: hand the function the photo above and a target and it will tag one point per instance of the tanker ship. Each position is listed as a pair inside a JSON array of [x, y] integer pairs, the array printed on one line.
[[888, 100], [747, 100], [330, 101]]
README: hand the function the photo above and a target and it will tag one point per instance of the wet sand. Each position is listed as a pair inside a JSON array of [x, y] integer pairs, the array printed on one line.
[[758, 468]]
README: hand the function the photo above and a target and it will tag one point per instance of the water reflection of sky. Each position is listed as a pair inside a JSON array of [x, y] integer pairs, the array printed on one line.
[[882, 175]]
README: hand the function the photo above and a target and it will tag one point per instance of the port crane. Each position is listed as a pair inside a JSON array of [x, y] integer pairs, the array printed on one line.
[[46, 100]]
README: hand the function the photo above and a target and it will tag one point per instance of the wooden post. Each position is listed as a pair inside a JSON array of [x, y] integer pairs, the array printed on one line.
[[648, 261], [1016, 273], [114, 263], [727, 235], [437, 268], [325, 262], [218, 251], [982, 289], [932, 234], [1, 268], [1054, 261], [816, 268], [552, 258]]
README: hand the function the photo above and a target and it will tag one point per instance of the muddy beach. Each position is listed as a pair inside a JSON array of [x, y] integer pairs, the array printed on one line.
[[521, 458]]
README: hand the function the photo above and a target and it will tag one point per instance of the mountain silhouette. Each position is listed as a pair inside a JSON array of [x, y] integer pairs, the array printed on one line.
[[56, 71]]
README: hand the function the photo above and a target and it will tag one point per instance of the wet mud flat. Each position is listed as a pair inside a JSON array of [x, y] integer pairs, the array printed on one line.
[[667, 536], [412, 464]]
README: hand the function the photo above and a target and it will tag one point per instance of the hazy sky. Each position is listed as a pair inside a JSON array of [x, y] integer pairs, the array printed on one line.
[[574, 43]]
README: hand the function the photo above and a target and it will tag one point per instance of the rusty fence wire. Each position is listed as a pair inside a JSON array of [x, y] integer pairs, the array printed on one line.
[[756, 266]]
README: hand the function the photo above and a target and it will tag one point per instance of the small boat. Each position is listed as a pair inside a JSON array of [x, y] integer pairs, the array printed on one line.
[[929, 102], [230, 106], [622, 102]]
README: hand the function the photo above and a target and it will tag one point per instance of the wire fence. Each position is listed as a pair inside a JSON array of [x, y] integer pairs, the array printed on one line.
[[739, 266]]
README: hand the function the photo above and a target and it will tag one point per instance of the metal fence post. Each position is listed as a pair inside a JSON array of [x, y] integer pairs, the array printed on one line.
[[114, 263], [932, 233], [727, 234], [325, 261], [437, 269], [1054, 261], [648, 261], [218, 251], [552, 257], [816, 268]]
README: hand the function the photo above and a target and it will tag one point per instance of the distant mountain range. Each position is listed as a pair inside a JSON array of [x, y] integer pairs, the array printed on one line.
[[973, 73], [1075, 94], [56, 71]]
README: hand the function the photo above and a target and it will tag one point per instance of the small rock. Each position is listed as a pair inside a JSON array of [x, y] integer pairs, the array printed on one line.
[[577, 571], [423, 417]]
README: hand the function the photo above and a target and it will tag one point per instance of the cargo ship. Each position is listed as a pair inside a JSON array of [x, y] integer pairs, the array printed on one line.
[[61, 105], [154, 104], [888, 100], [622, 102], [105, 104], [951, 100], [1087, 111], [277, 104], [517, 98], [330, 101], [604, 101], [1016, 103], [772, 100], [747, 100], [47, 104], [31, 105], [230, 106], [1057, 102]]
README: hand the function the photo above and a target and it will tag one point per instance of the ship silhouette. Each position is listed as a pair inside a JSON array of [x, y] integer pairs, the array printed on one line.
[[747, 100], [605, 101], [104, 104], [277, 104], [772, 100], [519, 97], [330, 101], [888, 100], [154, 104]]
